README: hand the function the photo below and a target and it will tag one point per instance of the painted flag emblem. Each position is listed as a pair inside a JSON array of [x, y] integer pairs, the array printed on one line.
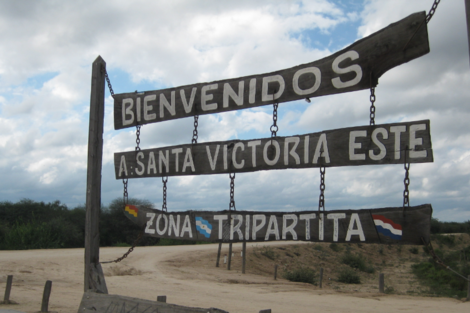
[[387, 227], [131, 210], [203, 227]]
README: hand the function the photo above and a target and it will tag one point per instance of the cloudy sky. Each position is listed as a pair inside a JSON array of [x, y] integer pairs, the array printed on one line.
[[45, 73]]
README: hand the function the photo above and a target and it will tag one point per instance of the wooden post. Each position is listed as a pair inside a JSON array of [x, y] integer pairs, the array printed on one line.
[[6, 299], [321, 278], [45, 296], [161, 299], [229, 256], [243, 257], [467, 13], [94, 279], [275, 272], [218, 255], [381, 283], [265, 311]]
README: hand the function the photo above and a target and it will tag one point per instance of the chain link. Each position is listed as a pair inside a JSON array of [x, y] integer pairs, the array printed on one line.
[[137, 138], [274, 127], [195, 136], [103, 70], [164, 181], [372, 106], [125, 195], [134, 244], [432, 11], [406, 181], [232, 192], [321, 200]]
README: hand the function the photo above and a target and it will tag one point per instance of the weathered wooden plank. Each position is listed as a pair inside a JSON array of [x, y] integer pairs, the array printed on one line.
[[93, 187], [356, 67], [386, 225], [97, 303], [45, 296], [362, 145]]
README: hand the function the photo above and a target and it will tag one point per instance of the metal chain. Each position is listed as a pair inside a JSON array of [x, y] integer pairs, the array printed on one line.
[[274, 127], [137, 138], [432, 11], [195, 136], [125, 196], [430, 250], [321, 200], [372, 106], [134, 244], [103, 70], [164, 181], [232, 192], [406, 181]]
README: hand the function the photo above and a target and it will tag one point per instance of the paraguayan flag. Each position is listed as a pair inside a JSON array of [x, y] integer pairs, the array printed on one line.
[[203, 227]]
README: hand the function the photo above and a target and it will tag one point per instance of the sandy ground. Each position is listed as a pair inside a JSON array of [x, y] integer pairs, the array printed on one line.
[[152, 271]]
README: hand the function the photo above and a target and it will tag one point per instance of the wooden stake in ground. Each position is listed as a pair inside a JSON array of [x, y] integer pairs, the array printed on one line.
[[6, 298], [94, 278], [45, 296]]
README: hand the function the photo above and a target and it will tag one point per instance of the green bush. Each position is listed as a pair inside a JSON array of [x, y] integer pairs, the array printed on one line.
[[268, 252], [348, 276], [302, 274], [335, 247], [414, 250], [444, 240], [357, 262]]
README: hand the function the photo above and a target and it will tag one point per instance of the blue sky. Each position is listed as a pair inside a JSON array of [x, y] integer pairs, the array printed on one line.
[[45, 72]]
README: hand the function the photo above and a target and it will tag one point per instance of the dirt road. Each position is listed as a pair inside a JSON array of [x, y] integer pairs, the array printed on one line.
[[152, 271]]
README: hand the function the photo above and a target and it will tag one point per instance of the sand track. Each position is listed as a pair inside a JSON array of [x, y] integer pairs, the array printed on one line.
[[152, 271]]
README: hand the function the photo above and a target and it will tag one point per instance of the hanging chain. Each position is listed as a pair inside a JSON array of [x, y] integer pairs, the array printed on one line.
[[274, 127], [372, 106], [406, 181], [164, 181], [137, 138], [134, 244], [103, 70], [321, 200], [232, 192], [125, 196], [438, 261], [196, 118], [432, 11]]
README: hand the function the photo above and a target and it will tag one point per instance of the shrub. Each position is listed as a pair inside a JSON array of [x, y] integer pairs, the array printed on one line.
[[267, 252], [302, 275], [357, 262], [349, 276], [414, 250], [318, 248], [335, 247]]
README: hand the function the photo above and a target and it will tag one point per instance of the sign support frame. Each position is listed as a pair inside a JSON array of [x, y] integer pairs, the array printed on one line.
[[94, 278]]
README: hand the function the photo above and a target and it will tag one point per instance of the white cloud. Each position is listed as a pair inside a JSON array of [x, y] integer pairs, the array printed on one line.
[[45, 74]]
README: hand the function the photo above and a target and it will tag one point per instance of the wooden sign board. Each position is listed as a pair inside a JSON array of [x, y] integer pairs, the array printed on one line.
[[409, 225], [98, 302], [363, 145], [356, 67]]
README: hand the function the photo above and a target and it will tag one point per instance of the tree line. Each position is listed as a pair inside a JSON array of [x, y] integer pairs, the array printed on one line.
[[29, 224]]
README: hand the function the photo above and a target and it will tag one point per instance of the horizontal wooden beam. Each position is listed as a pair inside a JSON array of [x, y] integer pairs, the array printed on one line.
[[410, 225], [98, 302], [356, 67], [362, 145]]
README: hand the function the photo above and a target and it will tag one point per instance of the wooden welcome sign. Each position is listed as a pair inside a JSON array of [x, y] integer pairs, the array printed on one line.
[[409, 225], [356, 67], [364, 145]]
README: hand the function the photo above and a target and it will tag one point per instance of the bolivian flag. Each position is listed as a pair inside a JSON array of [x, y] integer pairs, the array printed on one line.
[[131, 212]]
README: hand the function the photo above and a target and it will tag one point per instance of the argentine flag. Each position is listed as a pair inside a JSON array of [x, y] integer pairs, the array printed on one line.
[[387, 227], [203, 227]]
